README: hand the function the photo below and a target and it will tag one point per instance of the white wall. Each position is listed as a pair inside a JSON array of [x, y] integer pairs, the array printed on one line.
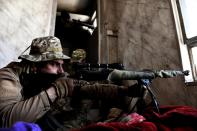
[[20, 22]]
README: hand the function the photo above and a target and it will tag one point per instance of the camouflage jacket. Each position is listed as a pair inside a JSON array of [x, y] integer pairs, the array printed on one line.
[[68, 113]]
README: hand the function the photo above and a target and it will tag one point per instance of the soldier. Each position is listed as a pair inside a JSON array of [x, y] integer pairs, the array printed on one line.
[[38, 90], [78, 55]]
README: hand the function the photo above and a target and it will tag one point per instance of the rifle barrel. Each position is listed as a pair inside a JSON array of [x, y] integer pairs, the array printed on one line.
[[135, 75]]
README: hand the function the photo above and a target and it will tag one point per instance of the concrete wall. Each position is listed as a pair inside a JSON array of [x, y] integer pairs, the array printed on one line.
[[141, 34], [21, 21]]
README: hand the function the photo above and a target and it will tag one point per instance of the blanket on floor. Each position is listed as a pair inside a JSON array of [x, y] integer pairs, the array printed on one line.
[[170, 118]]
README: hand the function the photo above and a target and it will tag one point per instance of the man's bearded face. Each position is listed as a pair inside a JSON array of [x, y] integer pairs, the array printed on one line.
[[52, 67], [45, 75]]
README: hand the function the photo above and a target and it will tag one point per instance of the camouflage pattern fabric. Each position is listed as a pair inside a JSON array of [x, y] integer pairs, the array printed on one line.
[[78, 55], [135, 75], [67, 114], [168, 73], [45, 49]]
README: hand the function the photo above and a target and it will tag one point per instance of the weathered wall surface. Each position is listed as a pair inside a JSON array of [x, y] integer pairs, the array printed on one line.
[[141, 34], [21, 21]]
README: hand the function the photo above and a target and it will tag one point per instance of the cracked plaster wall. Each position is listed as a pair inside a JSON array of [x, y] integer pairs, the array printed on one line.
[[141, 34], [21, 21]]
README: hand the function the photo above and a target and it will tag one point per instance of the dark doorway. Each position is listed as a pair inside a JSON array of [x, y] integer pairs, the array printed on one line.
[[78, 30]]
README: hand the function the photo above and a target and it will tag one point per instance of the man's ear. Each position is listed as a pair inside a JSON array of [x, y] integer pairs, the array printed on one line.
[[37, 66]]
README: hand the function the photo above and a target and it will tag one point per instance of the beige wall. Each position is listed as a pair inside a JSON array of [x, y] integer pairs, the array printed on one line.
[[21, 21], [141, 34]]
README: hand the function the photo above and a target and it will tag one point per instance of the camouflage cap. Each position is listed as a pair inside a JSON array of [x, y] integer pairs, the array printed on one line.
[[78, 55], [45, 49]]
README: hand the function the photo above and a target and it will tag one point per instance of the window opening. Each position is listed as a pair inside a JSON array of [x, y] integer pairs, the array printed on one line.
[[185, 20]]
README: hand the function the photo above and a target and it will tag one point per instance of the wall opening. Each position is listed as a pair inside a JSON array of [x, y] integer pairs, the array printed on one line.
[[78, 29]]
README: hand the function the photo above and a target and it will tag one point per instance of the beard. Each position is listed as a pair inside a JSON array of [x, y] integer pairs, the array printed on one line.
[[33, 84]]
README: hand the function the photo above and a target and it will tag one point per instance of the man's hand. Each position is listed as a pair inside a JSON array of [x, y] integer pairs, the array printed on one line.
[[58, 89], [61, 86]]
